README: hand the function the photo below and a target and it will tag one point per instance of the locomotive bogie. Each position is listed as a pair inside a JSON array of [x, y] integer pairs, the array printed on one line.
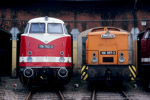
[[35, 76]]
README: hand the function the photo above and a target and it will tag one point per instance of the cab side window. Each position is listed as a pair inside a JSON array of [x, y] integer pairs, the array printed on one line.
[[65, 29], [147, 35], [26, 29]]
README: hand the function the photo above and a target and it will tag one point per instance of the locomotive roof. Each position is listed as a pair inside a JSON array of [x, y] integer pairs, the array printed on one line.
[[43, 19], [103, 30]]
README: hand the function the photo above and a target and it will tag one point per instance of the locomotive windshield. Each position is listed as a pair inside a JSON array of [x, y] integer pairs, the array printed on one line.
[[54, 28], [37, 28]]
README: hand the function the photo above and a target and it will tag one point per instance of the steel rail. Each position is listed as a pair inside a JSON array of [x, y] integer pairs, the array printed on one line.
[[61, 95], [29, 96], [125, 95], [94, 93]]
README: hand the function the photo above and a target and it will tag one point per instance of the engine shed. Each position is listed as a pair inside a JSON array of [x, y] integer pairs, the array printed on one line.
[[79, 17]]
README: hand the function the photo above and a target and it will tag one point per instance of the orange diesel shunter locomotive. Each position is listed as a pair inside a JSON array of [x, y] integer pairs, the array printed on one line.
[[46, 52], [107, 55]]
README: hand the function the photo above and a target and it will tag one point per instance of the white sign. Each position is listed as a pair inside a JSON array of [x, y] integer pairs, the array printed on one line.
[[107, 36]]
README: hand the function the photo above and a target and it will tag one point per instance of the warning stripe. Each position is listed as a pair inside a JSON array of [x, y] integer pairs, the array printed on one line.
[[133, 72], [84, 74], [87, 68], [83, 69], [134, 68], [85, 77], [132, 78]]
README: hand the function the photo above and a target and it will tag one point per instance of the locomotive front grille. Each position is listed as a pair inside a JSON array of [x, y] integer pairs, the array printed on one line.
[[108, 59]]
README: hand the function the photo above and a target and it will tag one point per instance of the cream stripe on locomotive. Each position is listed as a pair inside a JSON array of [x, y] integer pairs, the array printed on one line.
[[145, 59], [45, 59]]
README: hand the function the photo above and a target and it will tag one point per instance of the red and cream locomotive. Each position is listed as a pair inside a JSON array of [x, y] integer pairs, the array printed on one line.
[[45, 52], [144, 56]]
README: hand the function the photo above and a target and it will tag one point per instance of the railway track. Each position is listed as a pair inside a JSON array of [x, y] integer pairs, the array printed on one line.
[[61, 95], [45, 95], [2, 93], [125, 95], [119, 95], [29, 96]]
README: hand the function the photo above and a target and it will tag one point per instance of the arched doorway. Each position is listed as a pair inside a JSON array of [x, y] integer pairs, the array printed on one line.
[[5, 53]]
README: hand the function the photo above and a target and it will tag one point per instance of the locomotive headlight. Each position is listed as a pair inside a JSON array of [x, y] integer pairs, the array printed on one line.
[[61, 59], [28, 72], [62, 72], [94, 59], [121, 59], [29, 59]]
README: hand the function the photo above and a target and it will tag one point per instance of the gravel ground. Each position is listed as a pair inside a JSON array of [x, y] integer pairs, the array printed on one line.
[[70, 91]]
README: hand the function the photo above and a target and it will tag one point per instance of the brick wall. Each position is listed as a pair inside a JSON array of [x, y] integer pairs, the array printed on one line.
[[80, 16]]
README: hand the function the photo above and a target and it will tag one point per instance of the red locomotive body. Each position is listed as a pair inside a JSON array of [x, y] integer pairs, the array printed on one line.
[[46, 52], [145, 48], [144, 56]]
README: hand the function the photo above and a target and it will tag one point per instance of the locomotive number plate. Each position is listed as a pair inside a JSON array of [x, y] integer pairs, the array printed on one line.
[[108, 52], [46, 46]]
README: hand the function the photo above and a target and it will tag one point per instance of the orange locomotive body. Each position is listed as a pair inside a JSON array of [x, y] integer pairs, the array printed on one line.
[[107, 55]]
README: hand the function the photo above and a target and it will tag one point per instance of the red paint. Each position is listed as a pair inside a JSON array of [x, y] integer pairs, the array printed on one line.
[[45, 64], [145, 47], [31, 44]]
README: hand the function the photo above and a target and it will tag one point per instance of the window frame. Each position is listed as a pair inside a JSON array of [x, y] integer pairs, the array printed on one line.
[[65, 29], [26, 30], [55, 32], [37, 32]]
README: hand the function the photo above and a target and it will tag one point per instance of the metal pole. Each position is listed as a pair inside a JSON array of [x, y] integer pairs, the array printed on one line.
[[14, 57]]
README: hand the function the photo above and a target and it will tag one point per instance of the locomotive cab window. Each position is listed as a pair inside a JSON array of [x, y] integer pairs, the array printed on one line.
[[147, 35], [65, 29], [26, 29], [37, 28], [54, 28]]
